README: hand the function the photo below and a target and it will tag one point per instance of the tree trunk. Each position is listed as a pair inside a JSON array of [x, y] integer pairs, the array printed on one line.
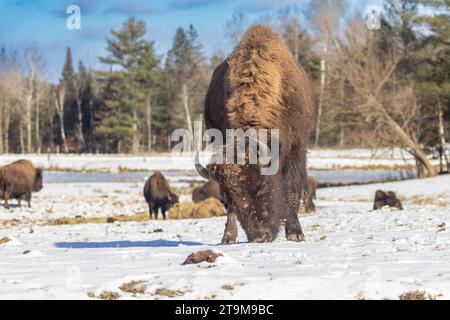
[[148, 114], [185, 102], [321, 94], [36, 129], [421, 158], [442, 142], [28, 122], [79, 124], [93, 142], [21, 142], [59, 104], [135, 144], [1, 130], [6, 133]]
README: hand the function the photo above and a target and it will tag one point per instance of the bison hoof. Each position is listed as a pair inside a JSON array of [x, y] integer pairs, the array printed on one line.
[[228, 238], [295, 236]]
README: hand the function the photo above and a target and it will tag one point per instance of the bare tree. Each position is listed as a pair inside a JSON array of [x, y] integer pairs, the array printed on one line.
[[59, 97], [325, 17], [388, 115]]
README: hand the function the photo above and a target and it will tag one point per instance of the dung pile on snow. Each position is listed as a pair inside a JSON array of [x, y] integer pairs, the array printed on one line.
[[5, 240], [201, 256], [208, 208]]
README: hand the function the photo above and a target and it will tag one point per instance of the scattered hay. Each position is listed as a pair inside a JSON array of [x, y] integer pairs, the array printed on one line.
[[433, 201], [418, 295], [413, 295], [109, 295], [205, 255], [82, 220], [5, 240], [227, 287], [169, 293], [440, 227], [323, 238], [210, 207], [134, 287]]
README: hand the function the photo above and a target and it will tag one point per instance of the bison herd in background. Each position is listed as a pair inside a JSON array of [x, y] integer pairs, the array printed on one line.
[[259, 86]]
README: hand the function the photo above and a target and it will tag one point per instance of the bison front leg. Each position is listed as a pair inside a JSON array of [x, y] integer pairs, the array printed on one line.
[[231, 230], [293, 228], [6, 198]]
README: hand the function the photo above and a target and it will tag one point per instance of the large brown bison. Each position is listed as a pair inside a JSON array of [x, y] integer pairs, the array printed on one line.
[[210, 189], [386, 199], [158, 195], [18, 180], [261, 86]]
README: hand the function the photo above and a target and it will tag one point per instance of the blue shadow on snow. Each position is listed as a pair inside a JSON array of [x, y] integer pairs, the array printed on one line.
[[126, 244]]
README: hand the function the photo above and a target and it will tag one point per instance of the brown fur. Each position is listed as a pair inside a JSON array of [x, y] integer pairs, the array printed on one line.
[[18, 180], [310, 195], [386, 199], [158, 195], [261, 86], [210, 189]]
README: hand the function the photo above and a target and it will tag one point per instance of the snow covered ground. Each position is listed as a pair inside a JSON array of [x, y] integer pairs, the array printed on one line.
[[317, 160], [350, 252]]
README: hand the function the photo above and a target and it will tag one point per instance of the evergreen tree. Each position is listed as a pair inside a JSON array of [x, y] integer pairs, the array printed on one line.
[[183, 66], [132, 60]]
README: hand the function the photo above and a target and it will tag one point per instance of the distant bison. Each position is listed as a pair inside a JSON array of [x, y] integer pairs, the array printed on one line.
[[210, 189], [158, 195], [386, 199], [310, 195], [18, 180]]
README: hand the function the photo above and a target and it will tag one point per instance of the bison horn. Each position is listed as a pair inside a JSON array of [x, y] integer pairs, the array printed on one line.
[[202, 171]]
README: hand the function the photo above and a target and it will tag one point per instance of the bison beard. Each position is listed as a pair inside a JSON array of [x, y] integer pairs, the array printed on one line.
[[261, 86]]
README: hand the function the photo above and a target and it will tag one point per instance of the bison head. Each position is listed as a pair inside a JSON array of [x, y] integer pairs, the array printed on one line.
[[37, 185], [256, 199], [173, 199]]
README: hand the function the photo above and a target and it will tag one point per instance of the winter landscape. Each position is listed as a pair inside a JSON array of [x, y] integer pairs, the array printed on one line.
[[350, 252], [323, 126]]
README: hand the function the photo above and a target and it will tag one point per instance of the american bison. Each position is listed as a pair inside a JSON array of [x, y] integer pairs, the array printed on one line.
[[158, 195], [18, 180], [210, 189], [261, 86], [386, 199], [310, 195]]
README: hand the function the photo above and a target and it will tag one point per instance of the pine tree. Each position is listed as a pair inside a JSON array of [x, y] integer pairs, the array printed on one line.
[[68, 81], [132, 60], [183, 66]]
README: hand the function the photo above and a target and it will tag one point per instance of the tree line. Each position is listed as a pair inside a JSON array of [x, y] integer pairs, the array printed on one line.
[[374, 88]]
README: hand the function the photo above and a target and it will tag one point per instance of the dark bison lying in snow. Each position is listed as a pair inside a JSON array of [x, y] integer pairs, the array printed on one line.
[[210, 189], [18, 180], [261, 86], [386, 199], [158, 195]]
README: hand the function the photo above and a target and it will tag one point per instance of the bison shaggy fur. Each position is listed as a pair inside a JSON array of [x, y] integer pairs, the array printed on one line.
[[18, 180], [158, 195], [261, 86]]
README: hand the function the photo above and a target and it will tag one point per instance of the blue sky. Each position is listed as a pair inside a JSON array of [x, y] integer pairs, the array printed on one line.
[[42, 23]]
